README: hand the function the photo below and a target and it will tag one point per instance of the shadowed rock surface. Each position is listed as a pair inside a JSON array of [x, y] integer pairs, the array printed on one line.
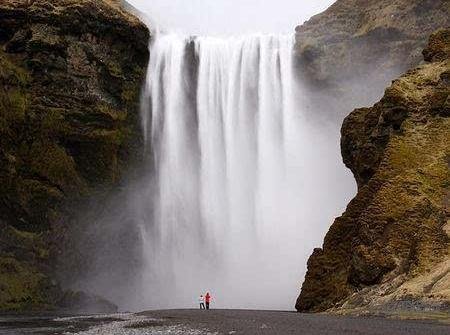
[[390, 249], [70, 78]]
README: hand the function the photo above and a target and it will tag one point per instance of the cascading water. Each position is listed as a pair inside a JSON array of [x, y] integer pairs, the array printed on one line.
[[229, 205]]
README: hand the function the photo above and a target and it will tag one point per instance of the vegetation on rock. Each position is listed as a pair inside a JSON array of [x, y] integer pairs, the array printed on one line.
[[391, 247], [70, 77]]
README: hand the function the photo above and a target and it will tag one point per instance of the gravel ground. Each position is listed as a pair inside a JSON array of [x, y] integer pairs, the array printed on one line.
[[217, 322], [266, 322]]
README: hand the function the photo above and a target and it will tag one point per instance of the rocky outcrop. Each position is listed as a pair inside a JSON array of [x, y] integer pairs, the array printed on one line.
[[391, 248], [348, 54], [70, 78]]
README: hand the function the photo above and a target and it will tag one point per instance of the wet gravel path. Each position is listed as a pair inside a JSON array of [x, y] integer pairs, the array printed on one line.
[[217, 322], [273, 323]]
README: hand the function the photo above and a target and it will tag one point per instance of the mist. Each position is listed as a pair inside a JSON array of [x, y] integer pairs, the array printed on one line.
[[240, 186], [240, 182], [225, 17]]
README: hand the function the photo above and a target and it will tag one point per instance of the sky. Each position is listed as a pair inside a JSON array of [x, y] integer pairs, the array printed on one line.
[[229, 17]]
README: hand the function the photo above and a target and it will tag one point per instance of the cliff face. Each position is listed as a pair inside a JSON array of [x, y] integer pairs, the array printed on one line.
[[391, 246], [348, 54], [70, 78]]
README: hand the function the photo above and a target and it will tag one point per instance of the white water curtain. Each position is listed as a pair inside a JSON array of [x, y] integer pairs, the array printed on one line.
[[230, 205]]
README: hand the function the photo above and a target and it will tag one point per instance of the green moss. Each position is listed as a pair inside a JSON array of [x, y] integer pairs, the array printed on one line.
[[130, 95], [405, 156], [14, 101], [415, 173], [12, 74], [113, 138], [23, 235], [13, 107], [420, 157], [53, 121], [115, 70], [30, 241], [20, 285], [52, 162], [113, 113], [38, 200]]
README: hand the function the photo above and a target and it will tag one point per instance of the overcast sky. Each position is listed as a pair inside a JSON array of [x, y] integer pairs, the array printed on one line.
[[218, 17]]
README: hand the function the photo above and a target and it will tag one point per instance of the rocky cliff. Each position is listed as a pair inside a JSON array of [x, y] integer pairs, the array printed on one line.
[[70, 78], [391, 248], [348, 54]]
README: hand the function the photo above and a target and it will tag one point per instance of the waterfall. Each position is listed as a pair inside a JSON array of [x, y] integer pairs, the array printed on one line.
[[229, 205]]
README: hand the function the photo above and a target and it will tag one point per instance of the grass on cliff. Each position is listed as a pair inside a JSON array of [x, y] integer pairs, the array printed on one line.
[[416, 170], [13, 99], [13, 106], [21, 283], [12, 74]]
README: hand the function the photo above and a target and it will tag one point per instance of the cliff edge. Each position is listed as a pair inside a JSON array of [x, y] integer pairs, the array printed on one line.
[[70, 78], [390, 251], [348, 54]]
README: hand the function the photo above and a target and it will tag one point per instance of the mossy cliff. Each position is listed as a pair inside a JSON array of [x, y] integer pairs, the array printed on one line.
[[70, 78], [348, 54], [391, 248]]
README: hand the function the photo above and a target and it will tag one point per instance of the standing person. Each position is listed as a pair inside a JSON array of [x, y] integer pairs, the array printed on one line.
[[207, 300], [201, 301]]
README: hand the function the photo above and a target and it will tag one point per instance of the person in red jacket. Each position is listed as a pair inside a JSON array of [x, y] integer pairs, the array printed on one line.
[[207, 300]]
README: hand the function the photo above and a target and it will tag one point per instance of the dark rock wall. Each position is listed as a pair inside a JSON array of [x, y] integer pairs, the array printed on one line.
[[393, 242], [70, 79]]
